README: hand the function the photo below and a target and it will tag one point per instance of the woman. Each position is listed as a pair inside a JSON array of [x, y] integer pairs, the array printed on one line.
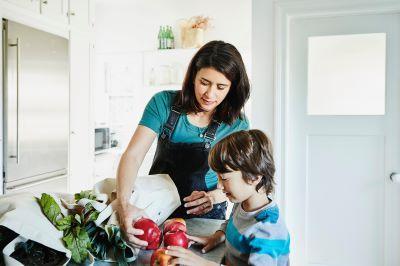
[[188, 123]]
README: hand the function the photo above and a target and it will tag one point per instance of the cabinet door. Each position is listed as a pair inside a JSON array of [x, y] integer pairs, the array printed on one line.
[[54, 10], [33, 5], [79, 14], [81, 128]]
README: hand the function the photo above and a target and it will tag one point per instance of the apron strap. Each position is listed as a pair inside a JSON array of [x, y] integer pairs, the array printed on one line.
[[211, 133], [169, 126]]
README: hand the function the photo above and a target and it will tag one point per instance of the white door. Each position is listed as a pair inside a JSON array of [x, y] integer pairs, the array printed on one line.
[[343, 140]]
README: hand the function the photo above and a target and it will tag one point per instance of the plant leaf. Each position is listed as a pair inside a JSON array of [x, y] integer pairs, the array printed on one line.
[[98, 240], [78, 243], [50, 207], [78, 218], [85, 194], [65, 223]]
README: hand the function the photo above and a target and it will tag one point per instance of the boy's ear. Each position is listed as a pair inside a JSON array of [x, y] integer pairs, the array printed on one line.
[[255, 182]]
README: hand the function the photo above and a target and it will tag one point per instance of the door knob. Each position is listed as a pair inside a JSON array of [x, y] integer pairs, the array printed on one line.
[[395, 177]]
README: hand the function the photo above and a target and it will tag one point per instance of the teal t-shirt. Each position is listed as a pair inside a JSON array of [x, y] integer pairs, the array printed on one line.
[[156, 113]]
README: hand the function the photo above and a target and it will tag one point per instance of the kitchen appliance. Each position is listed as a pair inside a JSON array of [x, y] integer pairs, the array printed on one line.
[[102, 139], [35, 109]]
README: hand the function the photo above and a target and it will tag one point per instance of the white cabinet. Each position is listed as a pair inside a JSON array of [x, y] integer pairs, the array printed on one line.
[[54, 10], [79, 14], [81, 126], [33, 5]]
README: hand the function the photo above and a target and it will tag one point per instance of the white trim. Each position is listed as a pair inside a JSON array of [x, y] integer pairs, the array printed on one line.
[[285, 13]]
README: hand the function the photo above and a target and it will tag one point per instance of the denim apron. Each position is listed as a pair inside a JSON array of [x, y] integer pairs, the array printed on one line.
[[186, 164]]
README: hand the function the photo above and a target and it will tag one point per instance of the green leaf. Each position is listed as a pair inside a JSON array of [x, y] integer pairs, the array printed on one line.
[[78, 243], [85, 194], [92, 216], [65, 223], [98, 240], [122, 254], [50, 207], [78, 218]]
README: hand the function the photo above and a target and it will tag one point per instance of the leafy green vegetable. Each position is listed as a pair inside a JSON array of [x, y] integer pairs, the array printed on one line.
[[78, 242], [122, 254], [78, 218], [85, 194], [98, 240], [65, 223], [81, 234], [50, 207]]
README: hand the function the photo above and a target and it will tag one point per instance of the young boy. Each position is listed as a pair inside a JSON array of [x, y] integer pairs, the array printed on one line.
[[255, 234]]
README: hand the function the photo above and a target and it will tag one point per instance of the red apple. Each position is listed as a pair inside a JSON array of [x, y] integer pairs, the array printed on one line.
[[159, 258], [175, 224], [177, 238], [152, 234]]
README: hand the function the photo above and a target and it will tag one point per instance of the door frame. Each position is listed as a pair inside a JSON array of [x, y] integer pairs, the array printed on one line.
[[285, 13]]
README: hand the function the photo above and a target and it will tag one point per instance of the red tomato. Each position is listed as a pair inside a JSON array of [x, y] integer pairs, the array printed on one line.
[[177, 238], [159, 258], [175, 224], [152, 234]]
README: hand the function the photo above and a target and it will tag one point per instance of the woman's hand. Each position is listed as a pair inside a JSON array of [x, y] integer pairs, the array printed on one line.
[[209, 242], [187, 257], [199, 202], [128, 214]]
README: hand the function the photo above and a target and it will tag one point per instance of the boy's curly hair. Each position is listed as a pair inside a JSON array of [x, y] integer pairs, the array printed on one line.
[[248, 151]]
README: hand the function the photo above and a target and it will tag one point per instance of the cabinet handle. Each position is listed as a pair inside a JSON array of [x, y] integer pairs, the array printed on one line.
[[45, 2], [71, 13]]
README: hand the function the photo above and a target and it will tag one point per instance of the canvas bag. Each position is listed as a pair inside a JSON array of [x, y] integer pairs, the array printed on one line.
[[156, 194]]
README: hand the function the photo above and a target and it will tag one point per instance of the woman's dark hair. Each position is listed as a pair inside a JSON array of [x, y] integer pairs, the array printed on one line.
[[226, 59], [249, 152]]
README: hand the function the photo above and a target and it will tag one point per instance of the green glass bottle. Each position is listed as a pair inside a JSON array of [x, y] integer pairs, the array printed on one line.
[[172, 38], [159, 37]]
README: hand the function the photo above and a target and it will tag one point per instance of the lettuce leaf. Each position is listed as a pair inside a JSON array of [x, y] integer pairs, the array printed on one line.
[[65, 223], [78, 242], [85, 194], [50, 207]]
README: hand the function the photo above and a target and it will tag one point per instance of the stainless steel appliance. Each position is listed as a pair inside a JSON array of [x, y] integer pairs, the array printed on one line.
[[35, 109], [102, 139]]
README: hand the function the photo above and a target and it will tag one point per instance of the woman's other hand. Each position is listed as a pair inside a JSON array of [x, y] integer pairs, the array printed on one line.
[[199, 202], [128, 214], [208, 242], [184, 256]]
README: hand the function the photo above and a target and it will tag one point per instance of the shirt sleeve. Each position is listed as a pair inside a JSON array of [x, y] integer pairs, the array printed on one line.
[[155, 113]]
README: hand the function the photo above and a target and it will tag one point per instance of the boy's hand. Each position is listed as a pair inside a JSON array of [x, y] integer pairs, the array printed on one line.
[[186, 257], [209, 242]]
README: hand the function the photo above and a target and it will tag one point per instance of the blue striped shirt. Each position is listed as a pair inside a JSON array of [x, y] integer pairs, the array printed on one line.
[[256, 238]]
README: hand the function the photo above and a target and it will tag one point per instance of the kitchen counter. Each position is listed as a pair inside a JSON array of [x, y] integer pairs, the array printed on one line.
[[195, 227]]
